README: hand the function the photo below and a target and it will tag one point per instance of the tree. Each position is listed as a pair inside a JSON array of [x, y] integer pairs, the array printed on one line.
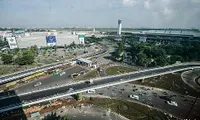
[[7, 58], [161, 61], [27, 58], [141, 59], [79, 96], [54, 116], [16, 50]]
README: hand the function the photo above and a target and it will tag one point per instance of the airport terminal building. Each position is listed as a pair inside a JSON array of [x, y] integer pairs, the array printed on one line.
[[43, 39]]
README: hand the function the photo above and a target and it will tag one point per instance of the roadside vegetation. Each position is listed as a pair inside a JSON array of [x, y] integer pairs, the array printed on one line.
[[118, 70], [89, 75], [172, 82], [152, 53], [131, 110]]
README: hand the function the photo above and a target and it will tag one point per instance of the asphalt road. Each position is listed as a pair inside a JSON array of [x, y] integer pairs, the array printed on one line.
[[24, 72], [16, 75], [153, 97], [51, 81], [79, 86]]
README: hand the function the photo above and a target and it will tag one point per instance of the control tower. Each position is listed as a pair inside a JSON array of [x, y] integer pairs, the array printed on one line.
[[119, 27]]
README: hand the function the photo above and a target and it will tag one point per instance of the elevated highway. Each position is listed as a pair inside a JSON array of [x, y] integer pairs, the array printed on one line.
[[12, 102], [21, 74]]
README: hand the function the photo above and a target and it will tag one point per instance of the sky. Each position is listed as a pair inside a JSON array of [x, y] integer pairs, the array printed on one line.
[[100, 13]]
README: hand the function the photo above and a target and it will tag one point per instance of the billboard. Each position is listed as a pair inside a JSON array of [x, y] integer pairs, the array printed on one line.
[[51, 40], [81, 38], [12, 42]]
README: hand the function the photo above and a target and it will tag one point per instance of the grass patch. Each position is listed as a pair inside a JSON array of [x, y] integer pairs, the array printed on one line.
[[131, 110], [172, 82], [118, 70], [89, 75]]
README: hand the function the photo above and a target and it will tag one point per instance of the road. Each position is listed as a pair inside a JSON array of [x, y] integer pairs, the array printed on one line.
[[17, 75], [103, 82], [51, 81], [153, 97]]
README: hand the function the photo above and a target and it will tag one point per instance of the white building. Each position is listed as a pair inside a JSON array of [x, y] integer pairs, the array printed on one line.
[[142, 39], [84, 62]]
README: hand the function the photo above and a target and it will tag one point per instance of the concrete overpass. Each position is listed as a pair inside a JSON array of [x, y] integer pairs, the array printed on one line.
[[26, 99], [21, 74]]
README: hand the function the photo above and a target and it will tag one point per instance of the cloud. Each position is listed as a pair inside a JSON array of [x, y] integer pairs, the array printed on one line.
[[167, 11], [147, 4], [129, 2], [195, 1]]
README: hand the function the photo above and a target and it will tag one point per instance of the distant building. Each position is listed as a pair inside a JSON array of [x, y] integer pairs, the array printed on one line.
[[12, 42], [142, 39], [84, 62]]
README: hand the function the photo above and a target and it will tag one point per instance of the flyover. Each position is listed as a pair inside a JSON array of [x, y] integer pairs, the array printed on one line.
[[48, 94], [21, 74]]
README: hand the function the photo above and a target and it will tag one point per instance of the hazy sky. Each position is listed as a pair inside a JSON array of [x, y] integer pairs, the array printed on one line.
[[100, 13]]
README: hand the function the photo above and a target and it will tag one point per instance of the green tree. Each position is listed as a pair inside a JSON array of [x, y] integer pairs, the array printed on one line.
[[141, 59], [161, 61], [7, 58], [79, 96], [16, 50], [65, 118], [27, 58]]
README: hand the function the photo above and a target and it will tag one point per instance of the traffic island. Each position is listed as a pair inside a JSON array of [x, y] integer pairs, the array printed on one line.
[[89, 75], [114, 70], [172, 82]]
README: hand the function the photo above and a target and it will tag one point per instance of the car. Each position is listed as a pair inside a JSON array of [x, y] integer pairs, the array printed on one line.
[[82, 72], [89, 82], [61, 74], [173, 103], [37, 84], [74, 75], [136, 97], [90, 91]]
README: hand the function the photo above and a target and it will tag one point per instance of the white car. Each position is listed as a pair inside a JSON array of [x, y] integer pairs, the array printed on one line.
[[37, 84], [90, 91], [173, 103], [62, 73], [136, 97]]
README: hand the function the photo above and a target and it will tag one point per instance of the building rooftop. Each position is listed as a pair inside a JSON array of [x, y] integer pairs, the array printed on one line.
[[85, 60]]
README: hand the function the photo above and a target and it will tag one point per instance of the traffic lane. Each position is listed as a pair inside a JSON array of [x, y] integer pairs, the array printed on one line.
[[194, 114], [54, 79], [124, 90], [52, 92], [34, 69], [48, 93], [1, 78], [50, 81]]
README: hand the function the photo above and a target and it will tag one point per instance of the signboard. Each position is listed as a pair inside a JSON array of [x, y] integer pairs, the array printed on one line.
[[51, 40], [81, 38], [12, 42]]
